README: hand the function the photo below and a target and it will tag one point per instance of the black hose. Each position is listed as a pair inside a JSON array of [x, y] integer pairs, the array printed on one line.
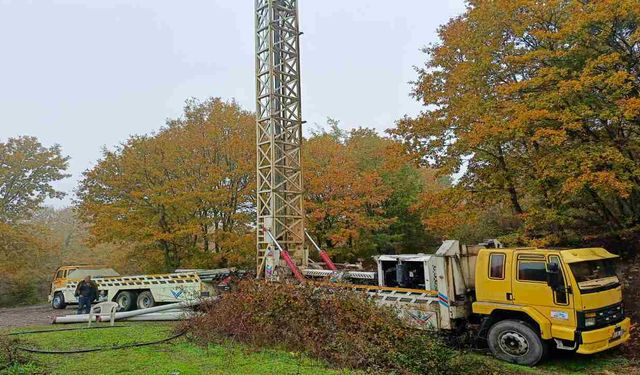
[[116, 347], [63, 330]]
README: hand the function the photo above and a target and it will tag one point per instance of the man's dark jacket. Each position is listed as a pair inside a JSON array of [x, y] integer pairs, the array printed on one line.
[[89, 289]]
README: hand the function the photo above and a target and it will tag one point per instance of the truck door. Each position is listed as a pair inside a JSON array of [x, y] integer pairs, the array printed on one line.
[[496, 286], [60, 279], [530, 289]]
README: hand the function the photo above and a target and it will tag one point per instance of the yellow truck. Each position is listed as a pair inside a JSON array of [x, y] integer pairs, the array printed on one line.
[[530, 298], [522, 301]]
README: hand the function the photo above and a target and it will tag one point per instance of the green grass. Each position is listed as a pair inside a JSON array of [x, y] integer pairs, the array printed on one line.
[[182, 357], [566, 363], [177, 357]]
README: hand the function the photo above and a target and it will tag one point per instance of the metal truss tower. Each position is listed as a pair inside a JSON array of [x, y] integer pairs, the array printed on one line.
[[279, 135]]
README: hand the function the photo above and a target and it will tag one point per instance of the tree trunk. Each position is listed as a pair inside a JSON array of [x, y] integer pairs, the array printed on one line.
[[511, 188]]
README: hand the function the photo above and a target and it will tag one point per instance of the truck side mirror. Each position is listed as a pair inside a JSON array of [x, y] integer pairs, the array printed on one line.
[[553, 276]]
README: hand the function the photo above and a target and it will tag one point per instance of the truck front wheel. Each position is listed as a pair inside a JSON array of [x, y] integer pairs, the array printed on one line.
[[58, 301], [516, 341]]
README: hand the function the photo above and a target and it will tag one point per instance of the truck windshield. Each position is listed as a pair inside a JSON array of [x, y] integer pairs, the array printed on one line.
[[595, 275]]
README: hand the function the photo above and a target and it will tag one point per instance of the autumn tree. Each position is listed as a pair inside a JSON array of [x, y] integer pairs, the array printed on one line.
[[27, 171], [26, 263], [187, 191], [68, 242], [359, 191], [535, 104]]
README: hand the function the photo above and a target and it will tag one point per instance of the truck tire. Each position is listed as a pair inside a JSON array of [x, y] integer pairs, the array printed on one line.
[[126, 300], [58, 301], [145, 300], [516, 341]]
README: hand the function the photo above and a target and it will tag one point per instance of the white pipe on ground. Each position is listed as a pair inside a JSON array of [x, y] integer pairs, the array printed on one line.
[[180, 305], [158, 317], [83, 318]]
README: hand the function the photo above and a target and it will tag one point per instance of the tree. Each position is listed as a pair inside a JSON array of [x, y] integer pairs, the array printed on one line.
[[187, 191], [26, 263], [359, 191], [536, 104], [27, 170]]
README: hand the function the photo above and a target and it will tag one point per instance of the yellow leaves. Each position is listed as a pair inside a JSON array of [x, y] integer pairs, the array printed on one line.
[[630, 108], [601, 180], [551, 136], [445, 210], [345, 190], [595, 167], [538, 101]]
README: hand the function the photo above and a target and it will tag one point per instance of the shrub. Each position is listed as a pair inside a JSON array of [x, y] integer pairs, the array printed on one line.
[[10, 356], [344, 328]]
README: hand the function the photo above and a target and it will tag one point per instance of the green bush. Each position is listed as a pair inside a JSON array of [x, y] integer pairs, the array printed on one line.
[[343, 328], [11, 358]]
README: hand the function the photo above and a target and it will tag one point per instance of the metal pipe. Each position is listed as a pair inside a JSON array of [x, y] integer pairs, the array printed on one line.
[[83, 318], [128, 314], [158, 317]]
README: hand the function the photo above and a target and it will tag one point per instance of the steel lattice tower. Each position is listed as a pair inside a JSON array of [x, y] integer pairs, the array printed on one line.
[[279, 133]]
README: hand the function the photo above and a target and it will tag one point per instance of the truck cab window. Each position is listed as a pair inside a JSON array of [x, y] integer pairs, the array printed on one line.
[[496, 266], [532, 271]]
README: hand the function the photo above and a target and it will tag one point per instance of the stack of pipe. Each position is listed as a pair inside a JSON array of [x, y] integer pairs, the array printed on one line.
[[174, 311]]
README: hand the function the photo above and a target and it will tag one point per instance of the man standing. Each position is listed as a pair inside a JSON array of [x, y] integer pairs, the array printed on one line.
[[87, 292]]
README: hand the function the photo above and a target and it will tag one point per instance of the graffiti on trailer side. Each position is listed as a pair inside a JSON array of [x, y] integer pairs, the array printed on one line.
[[421, 318]]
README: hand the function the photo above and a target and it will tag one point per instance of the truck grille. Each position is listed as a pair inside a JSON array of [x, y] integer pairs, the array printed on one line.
[[605, 316]]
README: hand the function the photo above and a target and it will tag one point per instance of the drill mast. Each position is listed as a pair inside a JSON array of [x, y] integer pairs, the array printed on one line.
[[280, 214]]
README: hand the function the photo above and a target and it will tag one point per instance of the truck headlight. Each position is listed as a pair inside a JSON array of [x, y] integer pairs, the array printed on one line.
[[590, 322]]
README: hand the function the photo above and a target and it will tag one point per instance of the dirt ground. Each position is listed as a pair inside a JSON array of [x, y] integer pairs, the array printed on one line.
[[31, 315]]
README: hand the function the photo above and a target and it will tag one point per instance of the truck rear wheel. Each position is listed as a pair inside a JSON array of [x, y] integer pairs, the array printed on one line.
[[516, 341], [58, 301], [145, 300], [126, 300]]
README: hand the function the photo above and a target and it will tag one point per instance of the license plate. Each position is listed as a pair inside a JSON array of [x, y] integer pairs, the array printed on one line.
[[617, 333]]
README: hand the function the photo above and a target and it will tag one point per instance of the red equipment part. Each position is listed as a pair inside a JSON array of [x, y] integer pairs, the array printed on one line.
[[292, 265], [327, 260], [323, 254]]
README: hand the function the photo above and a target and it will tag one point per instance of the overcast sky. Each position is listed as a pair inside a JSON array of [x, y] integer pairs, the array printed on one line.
[[87, 74]]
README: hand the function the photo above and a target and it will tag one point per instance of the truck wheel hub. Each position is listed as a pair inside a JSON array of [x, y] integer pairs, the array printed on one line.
[[514, 343], [124, 301]]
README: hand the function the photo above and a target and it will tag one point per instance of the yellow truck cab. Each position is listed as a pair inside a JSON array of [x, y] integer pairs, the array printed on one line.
[[531, 298], [73, 273]]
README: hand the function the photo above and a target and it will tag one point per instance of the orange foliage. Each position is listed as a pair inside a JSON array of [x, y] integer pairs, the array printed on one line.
[[535, 104]]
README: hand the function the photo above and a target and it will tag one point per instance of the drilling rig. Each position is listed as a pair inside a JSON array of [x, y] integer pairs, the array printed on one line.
[[499, 292]]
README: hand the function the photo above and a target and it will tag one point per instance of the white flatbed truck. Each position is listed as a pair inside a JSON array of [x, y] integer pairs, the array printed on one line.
[[130, 292]]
